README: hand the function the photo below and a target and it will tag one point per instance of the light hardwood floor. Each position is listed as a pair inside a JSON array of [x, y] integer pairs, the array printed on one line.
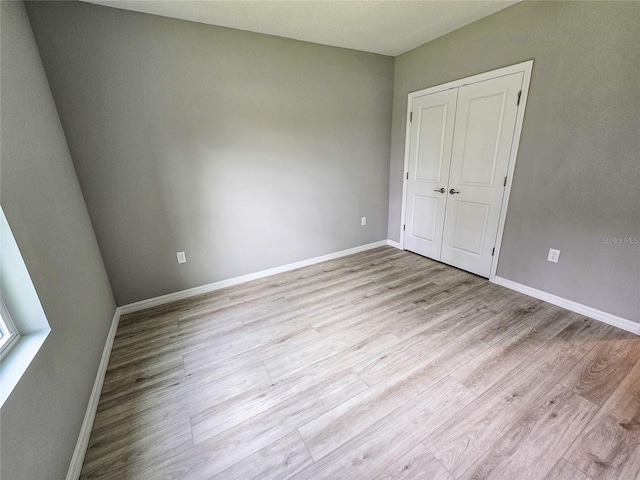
[[383, 364]]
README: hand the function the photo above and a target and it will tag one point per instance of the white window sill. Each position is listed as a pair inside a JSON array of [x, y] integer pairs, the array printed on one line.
[[16, 361]]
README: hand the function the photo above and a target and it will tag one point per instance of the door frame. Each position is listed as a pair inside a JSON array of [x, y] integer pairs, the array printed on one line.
[[525, 68]]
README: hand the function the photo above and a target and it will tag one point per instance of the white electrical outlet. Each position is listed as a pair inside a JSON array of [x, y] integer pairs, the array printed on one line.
[[554, 255], [363, 221], [182, 258]]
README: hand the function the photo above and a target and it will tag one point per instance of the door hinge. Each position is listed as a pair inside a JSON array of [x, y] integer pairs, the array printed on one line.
[[519, 95], [410, 117], [505, 182], [407, 175], [404, 227], [493, 252]]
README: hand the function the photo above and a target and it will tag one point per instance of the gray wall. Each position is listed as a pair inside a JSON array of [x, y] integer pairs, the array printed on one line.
[[247, 151], [577, 179], [43, 204]]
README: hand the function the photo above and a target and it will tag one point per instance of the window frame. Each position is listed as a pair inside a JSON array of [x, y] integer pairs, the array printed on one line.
[[10, 333]]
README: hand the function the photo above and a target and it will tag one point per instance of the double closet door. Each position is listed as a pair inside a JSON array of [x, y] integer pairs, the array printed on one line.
[[459, 150]]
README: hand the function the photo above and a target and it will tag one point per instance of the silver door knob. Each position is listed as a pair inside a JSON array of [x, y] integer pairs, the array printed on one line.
[[452, 191], [441, 190]]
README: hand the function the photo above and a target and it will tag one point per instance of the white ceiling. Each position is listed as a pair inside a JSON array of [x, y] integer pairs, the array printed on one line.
[[389, 27]]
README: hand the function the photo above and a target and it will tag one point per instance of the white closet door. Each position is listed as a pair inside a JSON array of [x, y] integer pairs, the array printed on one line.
[[429, 159], [484, 128]]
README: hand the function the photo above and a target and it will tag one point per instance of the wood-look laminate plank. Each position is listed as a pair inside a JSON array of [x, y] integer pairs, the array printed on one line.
[[209, 356], [218, 453], [368, 348], [129, 336], [411, 322], [407, 313], [463, 287], [206, 304], [302, 311], [472, 326], [131, 462], [470, 435], [512, 315], [322, 298], [315, 277], [144, 413], [243, 298], [419, 291], [501, 358], [138, 387], [176, 343], [401, 276], [144, 371], [235, 313], [277, 309], [358, 282], [126, 452], [538, 436], [332, 429], [243, 340], [384, 442], [609, 448], [584, 333], [282, 459], [418, 464], [602, 370], [316, 351], [322, 286], [377, 255], [563, 470], [381, 302], [156, 314], [216, 419]]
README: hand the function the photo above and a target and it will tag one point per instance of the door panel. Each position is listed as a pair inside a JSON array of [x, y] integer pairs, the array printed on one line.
[[429, 161], [470, 220], [484, 127], [425, 209], [479, 155], [432, 122]]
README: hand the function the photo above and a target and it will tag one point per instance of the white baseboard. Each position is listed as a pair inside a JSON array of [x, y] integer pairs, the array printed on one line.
[[87, 424], [599, 315], [191, 292], [393, 244]]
